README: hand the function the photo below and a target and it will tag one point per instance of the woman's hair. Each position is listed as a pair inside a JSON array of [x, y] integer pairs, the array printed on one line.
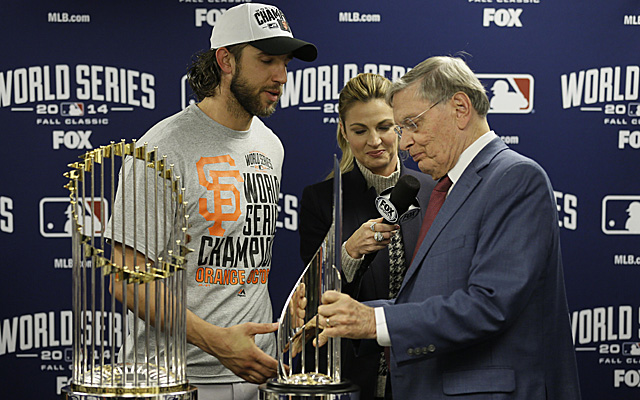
[[204, 73], [361, 88]]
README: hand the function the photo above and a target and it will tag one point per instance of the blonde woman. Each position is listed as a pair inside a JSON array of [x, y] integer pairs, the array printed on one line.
[[375, 255]]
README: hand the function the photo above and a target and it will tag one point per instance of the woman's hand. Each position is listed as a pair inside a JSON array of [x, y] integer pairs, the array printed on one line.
[[370, 237]]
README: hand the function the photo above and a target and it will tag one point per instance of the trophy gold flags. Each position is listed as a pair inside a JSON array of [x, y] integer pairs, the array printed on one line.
[[305, 371], [143, 263]]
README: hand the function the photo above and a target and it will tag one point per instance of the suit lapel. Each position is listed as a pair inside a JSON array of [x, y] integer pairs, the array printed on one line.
[[461, 191], [410, 229]]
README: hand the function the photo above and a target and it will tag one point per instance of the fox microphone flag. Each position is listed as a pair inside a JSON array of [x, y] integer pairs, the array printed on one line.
[[398, 203]]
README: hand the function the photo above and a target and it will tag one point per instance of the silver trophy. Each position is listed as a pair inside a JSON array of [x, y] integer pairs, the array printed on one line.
[[305, 371], [149, 274]]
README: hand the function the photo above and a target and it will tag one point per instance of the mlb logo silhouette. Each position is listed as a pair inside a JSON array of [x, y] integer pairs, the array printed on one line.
[[634, 110], [509, 93], [621, 215], [630, 349], [68, 109], [56, 219]]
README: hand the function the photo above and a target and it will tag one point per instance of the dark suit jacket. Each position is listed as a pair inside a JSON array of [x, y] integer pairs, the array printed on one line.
[[482, 312], [372, 279]]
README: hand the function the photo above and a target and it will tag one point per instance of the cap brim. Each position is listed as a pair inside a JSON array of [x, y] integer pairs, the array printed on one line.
[[284, 45]]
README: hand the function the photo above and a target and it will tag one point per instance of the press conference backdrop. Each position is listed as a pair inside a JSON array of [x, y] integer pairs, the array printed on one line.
[[564, 81]]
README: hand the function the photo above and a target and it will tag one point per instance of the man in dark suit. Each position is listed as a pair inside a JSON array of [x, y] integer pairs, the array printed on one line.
[[482, 312]]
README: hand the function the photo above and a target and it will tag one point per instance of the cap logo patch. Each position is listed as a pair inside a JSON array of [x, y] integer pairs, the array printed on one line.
[[271, 18], [284, 25]]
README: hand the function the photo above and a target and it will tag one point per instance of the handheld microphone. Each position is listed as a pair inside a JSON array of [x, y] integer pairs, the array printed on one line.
[[398, 203]]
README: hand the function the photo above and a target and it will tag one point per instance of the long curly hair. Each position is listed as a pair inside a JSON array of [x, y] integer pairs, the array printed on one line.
[[204, 74]]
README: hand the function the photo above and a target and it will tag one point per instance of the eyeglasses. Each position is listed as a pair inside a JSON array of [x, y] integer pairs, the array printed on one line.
[[410, 123]]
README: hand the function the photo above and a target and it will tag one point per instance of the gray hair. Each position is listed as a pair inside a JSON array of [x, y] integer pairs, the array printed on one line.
[[440, 78]]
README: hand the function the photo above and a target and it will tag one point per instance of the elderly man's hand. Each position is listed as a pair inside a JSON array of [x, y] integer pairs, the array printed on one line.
[[343, 316]]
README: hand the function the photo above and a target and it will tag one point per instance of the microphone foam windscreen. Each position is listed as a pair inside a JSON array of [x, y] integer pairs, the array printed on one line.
[[404, 193]]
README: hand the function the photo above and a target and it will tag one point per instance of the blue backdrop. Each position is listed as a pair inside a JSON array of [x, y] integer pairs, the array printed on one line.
[[76, 75]]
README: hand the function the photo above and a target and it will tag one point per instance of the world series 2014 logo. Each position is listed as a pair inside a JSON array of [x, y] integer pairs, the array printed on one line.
[[612, 91]]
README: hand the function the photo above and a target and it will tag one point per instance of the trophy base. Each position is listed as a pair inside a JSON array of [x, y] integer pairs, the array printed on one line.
[[273, 390], [187, 392]]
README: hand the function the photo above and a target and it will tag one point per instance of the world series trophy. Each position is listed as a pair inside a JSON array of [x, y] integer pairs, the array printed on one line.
[[150, 274], [305, 371]]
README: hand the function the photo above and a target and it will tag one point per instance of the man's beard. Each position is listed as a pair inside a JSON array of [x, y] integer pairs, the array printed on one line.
[[248, 98]]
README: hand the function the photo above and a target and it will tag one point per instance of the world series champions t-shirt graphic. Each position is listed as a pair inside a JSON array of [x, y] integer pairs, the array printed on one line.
[[224, 257]]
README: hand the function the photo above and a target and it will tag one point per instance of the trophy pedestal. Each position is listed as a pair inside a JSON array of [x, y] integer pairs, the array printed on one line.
[[186, 392], [274, 390]]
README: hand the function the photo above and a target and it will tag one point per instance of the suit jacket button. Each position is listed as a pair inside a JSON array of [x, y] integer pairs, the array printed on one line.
[[410, 351], [431, 348]]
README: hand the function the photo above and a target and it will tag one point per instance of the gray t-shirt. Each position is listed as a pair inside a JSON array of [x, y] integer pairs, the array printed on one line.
[[232, 185]]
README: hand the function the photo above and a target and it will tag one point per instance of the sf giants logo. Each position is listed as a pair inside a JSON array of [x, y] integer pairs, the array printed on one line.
[[216, 188]]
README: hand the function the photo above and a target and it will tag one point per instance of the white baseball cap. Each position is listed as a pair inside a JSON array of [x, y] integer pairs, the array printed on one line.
[[263, 26]]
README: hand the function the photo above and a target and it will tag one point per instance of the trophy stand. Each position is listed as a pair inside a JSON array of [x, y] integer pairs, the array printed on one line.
[[149, 223], [312, 376]]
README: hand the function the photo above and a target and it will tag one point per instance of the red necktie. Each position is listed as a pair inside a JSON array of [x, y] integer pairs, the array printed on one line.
[[435, 202]]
